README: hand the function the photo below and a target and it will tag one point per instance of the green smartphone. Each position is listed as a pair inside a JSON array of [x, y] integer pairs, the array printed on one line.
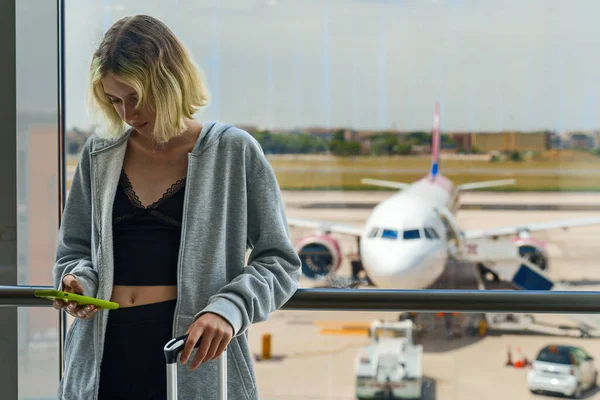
[[53, 295]]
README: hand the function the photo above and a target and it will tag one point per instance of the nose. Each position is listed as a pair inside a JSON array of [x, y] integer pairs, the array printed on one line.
[[130, 113]]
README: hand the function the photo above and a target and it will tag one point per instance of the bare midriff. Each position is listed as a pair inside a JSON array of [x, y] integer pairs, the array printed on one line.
[[131, 296]]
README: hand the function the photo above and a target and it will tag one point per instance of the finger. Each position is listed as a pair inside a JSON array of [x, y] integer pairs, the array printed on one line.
[[90, 314], [77, 288], [207, 340], [214, 346], [58, 304], [72, 306], [68, 289], [222, 346], [68, 281], [74, 309], [71, 313], [191, 341], [83, 312]]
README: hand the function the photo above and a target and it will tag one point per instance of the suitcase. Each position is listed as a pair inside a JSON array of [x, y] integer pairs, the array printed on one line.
[[172, 350]]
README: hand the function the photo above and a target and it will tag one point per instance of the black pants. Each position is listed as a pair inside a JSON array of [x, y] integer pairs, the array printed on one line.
[[133, 365]]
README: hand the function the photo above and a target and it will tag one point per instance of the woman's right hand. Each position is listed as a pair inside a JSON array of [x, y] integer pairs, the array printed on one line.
[[71, 285]]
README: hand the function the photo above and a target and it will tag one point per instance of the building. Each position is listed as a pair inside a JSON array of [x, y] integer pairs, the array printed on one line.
[[502, 141], [581, 141]]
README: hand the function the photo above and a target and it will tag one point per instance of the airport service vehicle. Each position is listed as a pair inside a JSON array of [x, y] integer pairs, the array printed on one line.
[[567, 370], [391, 362], [409, 238]]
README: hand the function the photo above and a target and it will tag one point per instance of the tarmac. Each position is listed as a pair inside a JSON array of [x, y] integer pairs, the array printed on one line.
[[307, 364]]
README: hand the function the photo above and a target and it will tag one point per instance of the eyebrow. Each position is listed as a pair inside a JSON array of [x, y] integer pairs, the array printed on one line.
[[112, 95]]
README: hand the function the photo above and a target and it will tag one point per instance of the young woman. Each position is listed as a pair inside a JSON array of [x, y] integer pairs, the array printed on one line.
[[160, 214]]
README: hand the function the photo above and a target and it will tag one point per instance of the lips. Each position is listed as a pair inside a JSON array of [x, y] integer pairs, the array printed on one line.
[[140, 125]]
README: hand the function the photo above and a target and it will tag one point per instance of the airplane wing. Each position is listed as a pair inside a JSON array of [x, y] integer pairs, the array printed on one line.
[[326, 226], [389, 184], [534, 227], [485, 184], [524, 275]]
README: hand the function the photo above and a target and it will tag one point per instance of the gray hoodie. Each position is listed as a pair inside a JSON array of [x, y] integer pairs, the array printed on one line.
[[232, 204]]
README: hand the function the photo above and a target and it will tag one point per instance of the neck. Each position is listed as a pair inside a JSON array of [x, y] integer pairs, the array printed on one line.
[[186, 140]]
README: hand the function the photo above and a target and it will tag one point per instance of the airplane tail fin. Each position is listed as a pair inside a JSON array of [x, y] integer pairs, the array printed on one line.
[[435, 145]]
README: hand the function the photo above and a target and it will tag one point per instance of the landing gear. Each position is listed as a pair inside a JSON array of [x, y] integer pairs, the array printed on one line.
[[534, 256], [359, 274], [486, 274]]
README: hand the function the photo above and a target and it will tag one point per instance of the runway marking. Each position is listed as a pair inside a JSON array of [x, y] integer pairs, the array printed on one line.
[[354, 324], [345, 332]]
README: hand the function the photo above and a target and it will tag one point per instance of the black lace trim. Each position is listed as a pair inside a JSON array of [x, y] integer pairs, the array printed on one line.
[[165, 218], [133, 197]]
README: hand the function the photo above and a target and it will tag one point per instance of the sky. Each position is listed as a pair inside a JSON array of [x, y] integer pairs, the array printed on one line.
[[364, 64]]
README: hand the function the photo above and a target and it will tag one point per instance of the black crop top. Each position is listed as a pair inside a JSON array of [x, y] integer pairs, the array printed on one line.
[[146, 240]]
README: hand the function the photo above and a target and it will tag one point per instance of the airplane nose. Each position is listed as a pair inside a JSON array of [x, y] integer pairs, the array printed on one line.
[[401, 270], [392, 266]]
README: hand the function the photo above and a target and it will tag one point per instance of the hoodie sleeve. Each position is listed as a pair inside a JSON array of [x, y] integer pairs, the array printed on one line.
[[273, 271], [73, 251]]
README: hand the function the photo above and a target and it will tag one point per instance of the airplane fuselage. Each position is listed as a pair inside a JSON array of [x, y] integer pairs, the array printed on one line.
[[405, 244]]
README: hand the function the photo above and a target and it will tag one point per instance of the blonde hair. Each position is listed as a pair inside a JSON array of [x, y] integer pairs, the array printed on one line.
[[145, 54]]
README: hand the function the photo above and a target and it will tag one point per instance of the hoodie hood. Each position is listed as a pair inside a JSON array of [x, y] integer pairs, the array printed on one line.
[[210, 135]]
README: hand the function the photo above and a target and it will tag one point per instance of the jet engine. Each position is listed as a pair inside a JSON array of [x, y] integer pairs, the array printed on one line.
[[533, 250], [320, 255]]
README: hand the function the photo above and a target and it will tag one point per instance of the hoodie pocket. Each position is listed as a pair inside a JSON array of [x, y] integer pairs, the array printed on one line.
[[80, 362], [243, 363], [70, 333]]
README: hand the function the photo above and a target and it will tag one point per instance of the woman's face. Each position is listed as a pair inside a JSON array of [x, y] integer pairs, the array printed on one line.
[[124, 98]]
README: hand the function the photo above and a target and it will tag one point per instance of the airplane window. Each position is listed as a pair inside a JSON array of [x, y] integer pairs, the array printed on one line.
[[373, 232], [412, 234], [430, 233], [389, 234]]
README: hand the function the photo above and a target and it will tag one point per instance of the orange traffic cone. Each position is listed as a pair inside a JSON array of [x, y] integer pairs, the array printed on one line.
[[509, 362], [519, 361]]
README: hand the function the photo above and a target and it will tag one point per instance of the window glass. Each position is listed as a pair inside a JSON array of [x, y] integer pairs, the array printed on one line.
[[37, 190], [411, 234]]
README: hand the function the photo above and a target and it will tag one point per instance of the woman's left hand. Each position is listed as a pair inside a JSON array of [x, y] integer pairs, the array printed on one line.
[[216, 333]]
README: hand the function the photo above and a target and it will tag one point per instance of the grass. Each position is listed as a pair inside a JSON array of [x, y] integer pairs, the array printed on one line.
[[311, 177], [315, 180], [550, 160]]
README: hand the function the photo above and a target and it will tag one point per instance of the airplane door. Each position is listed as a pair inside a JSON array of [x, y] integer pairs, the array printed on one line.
[[453, 233]]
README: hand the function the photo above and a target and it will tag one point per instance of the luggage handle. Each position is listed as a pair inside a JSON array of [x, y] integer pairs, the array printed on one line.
[[172, 350]]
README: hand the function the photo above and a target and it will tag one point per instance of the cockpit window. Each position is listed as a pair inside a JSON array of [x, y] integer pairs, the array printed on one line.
[[373, 233], [389, 234], [430, 233], [411, 234]]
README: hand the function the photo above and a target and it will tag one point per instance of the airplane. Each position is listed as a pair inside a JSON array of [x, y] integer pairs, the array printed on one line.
[[409, 238]]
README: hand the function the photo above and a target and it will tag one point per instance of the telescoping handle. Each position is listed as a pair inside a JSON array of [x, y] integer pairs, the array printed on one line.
[[172, 350]]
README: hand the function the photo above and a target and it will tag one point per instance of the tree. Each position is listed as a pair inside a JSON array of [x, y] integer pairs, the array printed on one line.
[[515, 156], [339, 135], [385, 144], [344, 148]]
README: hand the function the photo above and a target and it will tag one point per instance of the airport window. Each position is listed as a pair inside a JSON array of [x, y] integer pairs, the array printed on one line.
[[412, 234], [531, 121], [389, 234], [37, 190]]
